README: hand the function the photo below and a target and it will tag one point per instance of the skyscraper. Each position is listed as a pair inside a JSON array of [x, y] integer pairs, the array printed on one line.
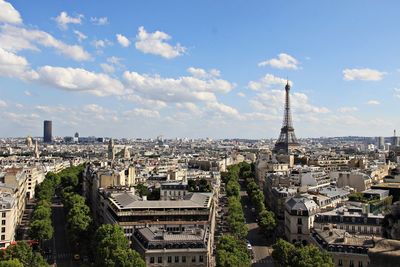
[[287, 139], [47, 131]]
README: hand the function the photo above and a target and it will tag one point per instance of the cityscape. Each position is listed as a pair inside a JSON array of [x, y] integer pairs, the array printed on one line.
[[277, 146]]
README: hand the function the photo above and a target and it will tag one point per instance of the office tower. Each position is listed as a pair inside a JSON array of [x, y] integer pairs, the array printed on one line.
[[381, 142], [47, 132], [287, 139]]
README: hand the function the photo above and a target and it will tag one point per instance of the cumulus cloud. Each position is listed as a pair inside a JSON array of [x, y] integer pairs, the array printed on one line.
[[363, 74], [101, 43], [182, 89], [191, 107], [80, 36], [14, 39], [347, 109], [77, 79], [107, 68], [202, 73], [273, 102], [122, 40], [14, 66], [396, 92], [3, 104], [99, 21], [223, 109], [267, 82], [141, 112], [63, 20], [373, 102], [155, 43], [241, 94], [284, 61], [9, 14], [149, 103]]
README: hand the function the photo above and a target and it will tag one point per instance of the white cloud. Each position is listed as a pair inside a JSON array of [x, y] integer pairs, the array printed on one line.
[[16, 38], [347, 109], [9, 14], [155, 43], [122, 40], [27, 93], [182, 89], [114, 60], [77, 79], [273, 102], [284, 61], [223, 109], [101, 43], [191, 107], [373, 102], [149, 103], [202, 73], [99, 21], [107, 68], [14, 66], [63, 20], [241, 94], [363, 74], [80, 36], [141, 112], [51, 109], [93, 108], [396, 92], [3, 104], [267, 82]]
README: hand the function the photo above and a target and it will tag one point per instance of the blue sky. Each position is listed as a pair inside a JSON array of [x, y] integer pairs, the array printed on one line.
[[199, 68]]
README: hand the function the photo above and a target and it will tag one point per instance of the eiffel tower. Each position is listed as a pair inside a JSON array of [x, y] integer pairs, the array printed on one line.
[[287, 139]]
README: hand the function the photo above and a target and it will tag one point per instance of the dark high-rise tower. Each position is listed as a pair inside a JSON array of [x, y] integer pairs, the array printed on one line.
[[287, 139], [47, 132]]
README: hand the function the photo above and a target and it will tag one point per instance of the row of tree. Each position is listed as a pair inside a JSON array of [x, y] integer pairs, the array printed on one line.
[[266, 218], [290, 255], [21, 255], [231, 248]]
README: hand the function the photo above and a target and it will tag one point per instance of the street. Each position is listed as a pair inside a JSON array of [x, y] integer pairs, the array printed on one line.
[[262, 248], [60, 246]]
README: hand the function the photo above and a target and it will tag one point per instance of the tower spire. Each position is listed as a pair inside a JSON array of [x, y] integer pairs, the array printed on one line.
[[287, 139]]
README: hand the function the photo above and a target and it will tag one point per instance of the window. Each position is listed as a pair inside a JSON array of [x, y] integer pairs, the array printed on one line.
[[3, 237], [159, 260], [3, 222], [340, 263], [3, 229], [360, 264], [299, 230], [183, 258], [194, 259], [351, 263], [151, 259], [3, 215], [299, 221], [169, 259], [201, 258], [176, 258]]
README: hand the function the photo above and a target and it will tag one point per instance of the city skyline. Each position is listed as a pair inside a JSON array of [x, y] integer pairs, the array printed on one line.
[[143, 70]]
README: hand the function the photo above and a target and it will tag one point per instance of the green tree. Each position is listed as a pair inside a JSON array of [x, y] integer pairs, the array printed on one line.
[[232, 252], [142, 189], [112, 248], [22, 252], [283, 252], [78, 220], [11, 263], [233, 188], [267, 221], [41, 213], [41, 230]]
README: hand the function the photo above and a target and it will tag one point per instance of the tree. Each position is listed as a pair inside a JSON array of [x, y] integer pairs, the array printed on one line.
[[267, 222], [23, 253], [11, 263], [41, 230], [142, 189], [232, 252], [78, 220], [282, 253], [41, 213], [233, 188], [287, 254], [112, 248]]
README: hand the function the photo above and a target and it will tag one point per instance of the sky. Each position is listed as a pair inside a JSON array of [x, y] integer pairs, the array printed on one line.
[[199, 68]]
